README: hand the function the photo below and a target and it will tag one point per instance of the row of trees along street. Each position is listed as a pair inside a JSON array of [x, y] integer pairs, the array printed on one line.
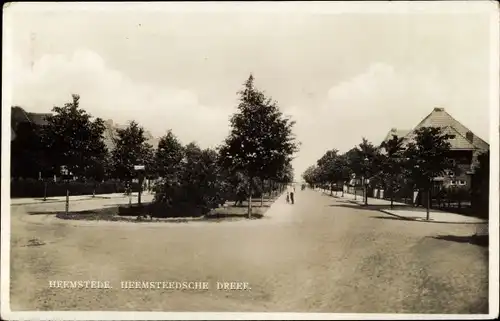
[[398, 167], [254, 158]]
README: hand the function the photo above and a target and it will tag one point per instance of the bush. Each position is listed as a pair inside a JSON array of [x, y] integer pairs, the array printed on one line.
[[35, 188], [163, 210]]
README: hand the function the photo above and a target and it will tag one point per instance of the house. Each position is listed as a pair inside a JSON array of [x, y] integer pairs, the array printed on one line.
[[19, 116], [110, 135], [465, 146]]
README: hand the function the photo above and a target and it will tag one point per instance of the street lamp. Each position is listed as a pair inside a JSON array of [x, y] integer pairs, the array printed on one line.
[[365, 180]]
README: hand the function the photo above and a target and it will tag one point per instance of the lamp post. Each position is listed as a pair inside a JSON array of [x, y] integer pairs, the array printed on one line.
[[365, 181], [355, 185]]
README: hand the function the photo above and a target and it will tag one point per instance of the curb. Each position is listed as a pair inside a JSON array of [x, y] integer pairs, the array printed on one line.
[[430, 220], [418, 219], [62, 201]]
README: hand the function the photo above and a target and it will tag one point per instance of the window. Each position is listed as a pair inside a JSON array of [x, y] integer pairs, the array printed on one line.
[[453, 182], [462, 183]]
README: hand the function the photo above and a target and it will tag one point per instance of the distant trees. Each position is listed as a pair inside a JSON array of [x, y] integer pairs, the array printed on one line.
[[425, 157], [310, 176]]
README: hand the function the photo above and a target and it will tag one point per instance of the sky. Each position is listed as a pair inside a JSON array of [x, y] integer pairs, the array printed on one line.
[[340, 76]]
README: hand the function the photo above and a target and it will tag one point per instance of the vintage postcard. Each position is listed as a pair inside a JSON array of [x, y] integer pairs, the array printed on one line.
[[240, 160]]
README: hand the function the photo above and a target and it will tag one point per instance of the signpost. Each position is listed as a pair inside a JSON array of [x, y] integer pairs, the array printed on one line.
[[66, 174], [140, 169]]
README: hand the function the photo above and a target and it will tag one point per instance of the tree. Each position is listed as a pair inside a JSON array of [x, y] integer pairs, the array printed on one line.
[[203, 181], [310, 175], [365, 163], [428, 158], [261, 138], [26, 151], [481, 184], [73, 139], [392, 164], [345, 170], [98, 169], [168, 164], [328, 168], [131, 149]]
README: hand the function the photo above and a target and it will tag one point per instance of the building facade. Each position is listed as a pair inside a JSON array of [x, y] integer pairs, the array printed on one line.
[[465, 146]]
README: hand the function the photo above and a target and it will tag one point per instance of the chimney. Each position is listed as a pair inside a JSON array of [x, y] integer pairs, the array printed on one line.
[[470, 136], [438, 109]]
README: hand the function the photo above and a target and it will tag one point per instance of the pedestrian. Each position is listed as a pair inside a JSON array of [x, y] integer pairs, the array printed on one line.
[[291, 192], [287, 197]]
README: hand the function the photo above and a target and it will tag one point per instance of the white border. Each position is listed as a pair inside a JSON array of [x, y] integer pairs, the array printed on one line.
[[365, 7]]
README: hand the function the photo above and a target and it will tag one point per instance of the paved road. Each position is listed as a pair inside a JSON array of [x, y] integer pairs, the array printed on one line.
[[319, 255]]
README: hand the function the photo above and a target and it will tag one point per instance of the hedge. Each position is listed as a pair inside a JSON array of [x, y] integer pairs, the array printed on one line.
[[35, 188]]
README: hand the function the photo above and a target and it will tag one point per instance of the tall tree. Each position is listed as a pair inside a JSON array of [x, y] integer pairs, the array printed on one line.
[[169, 163], [329, 171], [73, 139], [131, 148], [345, 170], [261, 138], [366, 163], [392, 164], [481, 185], [428, 158]]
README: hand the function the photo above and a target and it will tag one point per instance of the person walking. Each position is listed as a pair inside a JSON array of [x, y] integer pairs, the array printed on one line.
[[291, 192]]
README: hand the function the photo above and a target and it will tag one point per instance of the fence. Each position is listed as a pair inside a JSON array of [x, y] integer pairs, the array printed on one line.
[[38, 188], [454, 200]]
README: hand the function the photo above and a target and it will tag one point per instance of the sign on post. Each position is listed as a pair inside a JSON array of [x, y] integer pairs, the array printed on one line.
[[140, 169]]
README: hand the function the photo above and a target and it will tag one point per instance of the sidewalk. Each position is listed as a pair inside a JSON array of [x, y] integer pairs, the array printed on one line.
[[57, 199], [409, 212]]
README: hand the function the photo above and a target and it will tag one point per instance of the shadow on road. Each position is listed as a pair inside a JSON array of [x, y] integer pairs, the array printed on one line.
[[395, 218], [348, 204], [253, 205], [216, 216], [480, 240]]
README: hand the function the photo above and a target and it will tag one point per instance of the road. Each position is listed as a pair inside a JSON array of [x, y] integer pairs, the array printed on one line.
[[319, 255]]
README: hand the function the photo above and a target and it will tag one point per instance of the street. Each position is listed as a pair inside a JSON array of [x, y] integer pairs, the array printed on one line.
[[321, 254]]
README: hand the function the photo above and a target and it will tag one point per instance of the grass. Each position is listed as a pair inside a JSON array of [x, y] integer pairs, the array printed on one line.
[[225, 213]]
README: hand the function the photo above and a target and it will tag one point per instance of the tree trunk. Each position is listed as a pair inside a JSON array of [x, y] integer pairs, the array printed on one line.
[[355, 191], [392, 196], [262, 193], [366, 194], [250, 199], [331, 189], [342, 189], [428, 202], [67, 198], [44, 190]]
